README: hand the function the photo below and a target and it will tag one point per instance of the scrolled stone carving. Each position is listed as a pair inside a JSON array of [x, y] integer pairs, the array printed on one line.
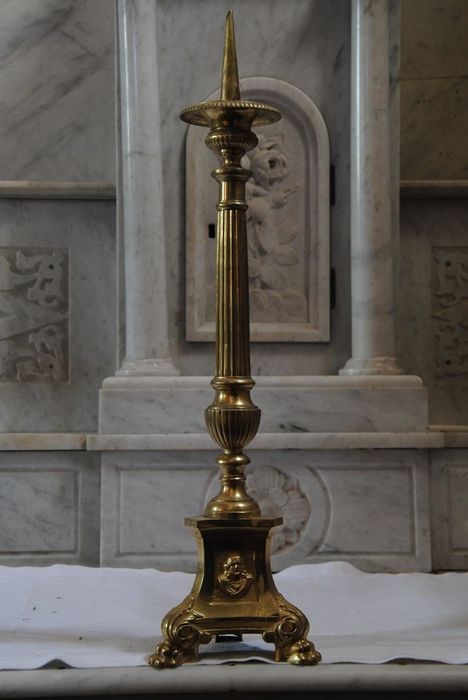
[[450, 311], [33, 315], [278, 494], [287, 224]]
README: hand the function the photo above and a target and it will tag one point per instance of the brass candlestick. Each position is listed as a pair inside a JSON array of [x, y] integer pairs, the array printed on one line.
[[233, 592]]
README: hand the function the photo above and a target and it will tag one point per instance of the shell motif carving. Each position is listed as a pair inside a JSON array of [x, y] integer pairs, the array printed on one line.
[[278, 494]]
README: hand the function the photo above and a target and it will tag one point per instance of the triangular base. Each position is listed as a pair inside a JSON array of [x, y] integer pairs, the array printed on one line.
[[233, 593]]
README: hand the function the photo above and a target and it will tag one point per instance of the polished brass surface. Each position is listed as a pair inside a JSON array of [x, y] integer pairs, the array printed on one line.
[[234, 590], [234, 593]]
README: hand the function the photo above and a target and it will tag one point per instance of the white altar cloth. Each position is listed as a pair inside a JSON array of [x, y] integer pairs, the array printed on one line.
[[90, 618]]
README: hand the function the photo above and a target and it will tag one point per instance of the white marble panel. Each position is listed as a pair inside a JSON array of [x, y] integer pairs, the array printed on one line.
[[57, 90], [49, 508], [288, 404], [287, 222], [433, 38], [433, 303], [364, 507], [145, 498], [313, 55], [434, 142], [58, 326], [449, 508]]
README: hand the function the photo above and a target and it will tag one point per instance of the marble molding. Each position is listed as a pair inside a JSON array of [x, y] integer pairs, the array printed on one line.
[[57, 86], [366, 508], [49, 510], [57, 258], [287, 223], [288, 404], [246, 680]]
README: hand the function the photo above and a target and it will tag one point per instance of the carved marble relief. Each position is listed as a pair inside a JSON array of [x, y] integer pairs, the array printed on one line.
[[276, 495], [287, 223], [450, 311], [34, 315]]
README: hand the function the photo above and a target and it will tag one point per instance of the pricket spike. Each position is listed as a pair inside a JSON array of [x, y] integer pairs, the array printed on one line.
[[230, 75]]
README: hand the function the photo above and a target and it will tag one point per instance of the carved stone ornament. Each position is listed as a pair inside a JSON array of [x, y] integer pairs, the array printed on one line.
[[450, 311], [287, 223], [34, 315], [278, 494]]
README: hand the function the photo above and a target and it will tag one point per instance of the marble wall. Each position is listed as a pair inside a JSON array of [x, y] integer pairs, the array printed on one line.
[[57, 242], [49, 508], [434, 148], [434, 90], [312, 54], [434, 303], [57, 90], [370, 508], [58, 298], [57, 326]]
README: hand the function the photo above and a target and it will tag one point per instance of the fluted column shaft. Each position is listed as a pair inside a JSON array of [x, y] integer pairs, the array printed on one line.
[[372, 192], [232, 303], [141, 196]]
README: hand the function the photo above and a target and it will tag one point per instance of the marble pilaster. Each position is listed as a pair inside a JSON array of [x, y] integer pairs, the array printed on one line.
[[373, 192], [147, 350], [141, 208]]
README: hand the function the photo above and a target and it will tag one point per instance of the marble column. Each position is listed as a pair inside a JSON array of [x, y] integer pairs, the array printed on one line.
[[147, 346], [373, 194]]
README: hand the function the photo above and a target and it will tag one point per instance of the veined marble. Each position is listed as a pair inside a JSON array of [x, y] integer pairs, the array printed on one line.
[[374, 190], [49, 508], [449, 502], [141, 197], [288, 404], [288, 223], [242, 679], [57, 90], [313, 55], [434, 90], [368, 508], [433, 303], [433, 112], [58, 325]]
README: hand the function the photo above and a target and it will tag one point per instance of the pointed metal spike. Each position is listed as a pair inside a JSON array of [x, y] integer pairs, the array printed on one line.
[[230, 77]]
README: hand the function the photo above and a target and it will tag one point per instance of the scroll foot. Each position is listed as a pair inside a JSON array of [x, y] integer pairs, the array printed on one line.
[[290, 636]]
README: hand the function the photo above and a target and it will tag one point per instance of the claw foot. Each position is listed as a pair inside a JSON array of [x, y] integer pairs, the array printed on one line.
[[167, 655], [303, 653]]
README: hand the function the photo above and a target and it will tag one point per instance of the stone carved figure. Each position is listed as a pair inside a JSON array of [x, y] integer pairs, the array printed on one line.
[[33, 315], [278, 494], [450, 311], [275, 267]]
